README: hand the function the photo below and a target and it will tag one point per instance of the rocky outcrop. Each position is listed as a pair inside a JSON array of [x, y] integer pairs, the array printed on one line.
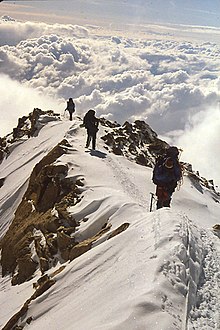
[[199, 182], [34, 236], [42, 227], [30, 125], [43, 284], [119, 230], [27, 126], [137, 141], [2, 180], [4, 149]]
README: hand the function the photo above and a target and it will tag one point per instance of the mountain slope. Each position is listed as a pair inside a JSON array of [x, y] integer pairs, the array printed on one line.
[[141, 270]]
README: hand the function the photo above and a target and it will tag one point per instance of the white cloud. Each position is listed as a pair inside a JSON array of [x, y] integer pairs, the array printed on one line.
[[200, 143], [18, 100], [165, 82], [11, 33]]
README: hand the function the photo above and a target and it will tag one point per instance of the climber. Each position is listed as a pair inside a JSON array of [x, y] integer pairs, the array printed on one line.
[[91, 123], [70, 107], [166, 174]]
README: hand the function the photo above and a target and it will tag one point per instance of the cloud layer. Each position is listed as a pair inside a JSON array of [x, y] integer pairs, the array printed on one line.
[[167, 82], [17, 100]]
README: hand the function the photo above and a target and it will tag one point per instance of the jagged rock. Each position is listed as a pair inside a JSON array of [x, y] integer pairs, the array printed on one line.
[[51, 242], [86, 245], [29, 320], [158, 147], [44, 208], [108, 139], [132, 149], [45, 182], [59, 270], [3, 148], [42, 288], [61, 208], [64, 240], [142, 160], [117, 151], [80, 249], [38, 247], [216, 227], [16, 317], [128, 127], [108, 123], [51, 223], [44, 264], [136, 141], [119, 230], [48, 189], [26, 268], [29, 125], [44, 283], [42, 280], [2, 180]]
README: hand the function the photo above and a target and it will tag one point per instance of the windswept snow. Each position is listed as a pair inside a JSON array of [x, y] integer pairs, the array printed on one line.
[[16, 168], [162, 272]]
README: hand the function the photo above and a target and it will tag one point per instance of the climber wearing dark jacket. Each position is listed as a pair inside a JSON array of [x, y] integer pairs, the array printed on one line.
[[70, 107], [91, 124], [167, 172]]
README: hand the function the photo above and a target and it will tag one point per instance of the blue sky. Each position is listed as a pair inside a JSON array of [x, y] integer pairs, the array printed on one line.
[[192, 12]]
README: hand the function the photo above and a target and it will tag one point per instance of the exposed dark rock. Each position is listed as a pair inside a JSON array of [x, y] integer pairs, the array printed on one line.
[[44, 264], [108, 123], [86, 245], [136, 141], [42, 220], [16, 317], [27, 126], [141, 159], [117, 150], [29, 320], [216, 227], [42, 288], [43, 284], [119, 230], [26, 268], [80, 249], [64, 240], [48, 189], [2, 180]]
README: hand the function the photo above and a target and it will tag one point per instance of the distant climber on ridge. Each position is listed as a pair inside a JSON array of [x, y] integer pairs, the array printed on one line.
[[91, 123], [70, 107], [167, 172]]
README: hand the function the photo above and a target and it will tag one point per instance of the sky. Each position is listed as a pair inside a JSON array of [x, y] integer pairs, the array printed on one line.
[[166, 74], [192, 12], [163, 270]]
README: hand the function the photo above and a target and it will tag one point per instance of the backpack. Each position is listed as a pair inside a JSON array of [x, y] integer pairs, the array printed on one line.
[[90, 122], [165, 175], [70, 106]]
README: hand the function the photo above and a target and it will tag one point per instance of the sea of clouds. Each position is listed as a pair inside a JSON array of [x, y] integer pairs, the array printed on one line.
[[172, 84]]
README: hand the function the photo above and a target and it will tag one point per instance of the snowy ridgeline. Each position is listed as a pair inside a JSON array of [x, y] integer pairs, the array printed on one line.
[[142, 270]]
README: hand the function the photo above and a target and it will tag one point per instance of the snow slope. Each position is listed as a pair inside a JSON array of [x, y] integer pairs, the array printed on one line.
[[162, 272]]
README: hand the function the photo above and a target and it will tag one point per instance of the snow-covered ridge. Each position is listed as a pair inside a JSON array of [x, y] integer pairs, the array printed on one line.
[[133, 268]]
